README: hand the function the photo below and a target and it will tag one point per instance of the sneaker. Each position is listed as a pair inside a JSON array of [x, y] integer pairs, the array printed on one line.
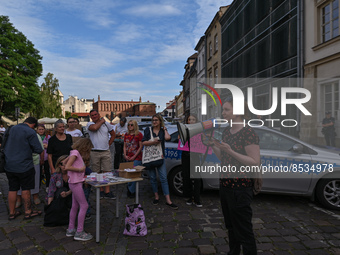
[[198, 204], [47, 190], [70, 232], [155, 202], [109, 195], [88, 217], [173, 206], [82, 236], [189, 201], [102, 194]]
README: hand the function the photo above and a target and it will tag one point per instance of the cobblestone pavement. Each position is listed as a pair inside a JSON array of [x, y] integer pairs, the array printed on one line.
[[282, 224]]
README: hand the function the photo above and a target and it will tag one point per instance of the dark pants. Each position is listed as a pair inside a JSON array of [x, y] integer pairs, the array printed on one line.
[[237, 216], [118, 154], [330, 138], [189, 160]]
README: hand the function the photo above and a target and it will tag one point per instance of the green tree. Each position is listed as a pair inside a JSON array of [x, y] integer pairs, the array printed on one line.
[[50, 105], [20, 68]]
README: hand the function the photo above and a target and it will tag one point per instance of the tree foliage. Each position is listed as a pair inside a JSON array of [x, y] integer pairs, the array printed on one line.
[[50, 105], [20, 68]]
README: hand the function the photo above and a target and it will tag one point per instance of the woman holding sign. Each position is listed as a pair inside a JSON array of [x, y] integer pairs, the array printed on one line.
[[189, 159], [159, 133]]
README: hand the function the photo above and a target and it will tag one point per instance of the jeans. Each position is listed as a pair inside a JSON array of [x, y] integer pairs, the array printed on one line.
[[162, 178], [132, 185]]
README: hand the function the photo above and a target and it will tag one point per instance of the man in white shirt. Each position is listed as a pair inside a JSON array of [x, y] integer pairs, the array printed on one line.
[[100, 131]]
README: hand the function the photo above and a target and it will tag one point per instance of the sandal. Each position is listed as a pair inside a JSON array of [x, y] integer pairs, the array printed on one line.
[[13, 216], [32, 214]]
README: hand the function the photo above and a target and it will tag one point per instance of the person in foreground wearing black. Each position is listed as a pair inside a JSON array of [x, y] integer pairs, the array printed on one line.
[[239, 147]]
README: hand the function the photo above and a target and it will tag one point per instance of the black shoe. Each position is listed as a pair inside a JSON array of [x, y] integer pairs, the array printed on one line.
[[155, 202], [173, 206], [189, 201], [88, 217], [109, 195], [198, 204]]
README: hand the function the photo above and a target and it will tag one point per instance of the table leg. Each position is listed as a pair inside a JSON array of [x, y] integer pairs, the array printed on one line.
[[97, 214], [137, 192], [117, 203]]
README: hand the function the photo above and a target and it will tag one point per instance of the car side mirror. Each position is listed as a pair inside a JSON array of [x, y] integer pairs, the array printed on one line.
[[297, 148]]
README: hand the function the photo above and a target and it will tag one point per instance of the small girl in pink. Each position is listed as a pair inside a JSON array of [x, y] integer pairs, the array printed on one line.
[[75, 166]]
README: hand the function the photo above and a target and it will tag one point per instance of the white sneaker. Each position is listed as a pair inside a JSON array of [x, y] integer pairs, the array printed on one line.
[[82, 236]]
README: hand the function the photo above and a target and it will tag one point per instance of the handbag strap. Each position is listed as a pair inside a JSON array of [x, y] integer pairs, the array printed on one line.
[[151, 134]]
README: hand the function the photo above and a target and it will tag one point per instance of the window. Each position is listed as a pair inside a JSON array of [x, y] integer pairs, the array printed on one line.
[[273, 141], [216, 75], [216, 43], [331, 98], [210, 50], [330, 20]]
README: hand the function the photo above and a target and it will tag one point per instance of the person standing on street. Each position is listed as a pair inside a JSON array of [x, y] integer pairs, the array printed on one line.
[[22, 142], [328, 129], [99, 131], [120, 130], [239, 147]]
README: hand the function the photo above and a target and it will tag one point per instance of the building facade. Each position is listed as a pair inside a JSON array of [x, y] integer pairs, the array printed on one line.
[[322, 61], [261, 40], [111, 109], [213, 59]]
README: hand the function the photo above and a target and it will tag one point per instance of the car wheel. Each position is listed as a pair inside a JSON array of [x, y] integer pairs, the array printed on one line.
[[175, 180], [328, 193]]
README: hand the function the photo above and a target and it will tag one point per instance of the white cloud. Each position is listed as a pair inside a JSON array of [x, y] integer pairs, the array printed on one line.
[[153, 10]]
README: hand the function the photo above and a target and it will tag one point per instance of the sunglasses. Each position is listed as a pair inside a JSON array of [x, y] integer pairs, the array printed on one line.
[[61, 163], [131, 125], [155, 120]]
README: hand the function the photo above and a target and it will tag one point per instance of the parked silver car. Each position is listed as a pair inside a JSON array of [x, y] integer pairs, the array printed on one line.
[[313, 172]]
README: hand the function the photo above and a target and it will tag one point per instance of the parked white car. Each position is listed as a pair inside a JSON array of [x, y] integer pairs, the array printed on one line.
[[314, 172]]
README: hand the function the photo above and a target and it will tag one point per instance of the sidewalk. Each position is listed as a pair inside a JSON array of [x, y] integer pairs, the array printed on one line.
[[282, 224]]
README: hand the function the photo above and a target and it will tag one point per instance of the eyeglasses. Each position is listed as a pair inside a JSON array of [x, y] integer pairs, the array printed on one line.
[[131, 125], [71, 122], [155, 120]]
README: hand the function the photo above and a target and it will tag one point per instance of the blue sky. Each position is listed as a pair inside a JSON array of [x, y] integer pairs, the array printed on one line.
[[120, 50]]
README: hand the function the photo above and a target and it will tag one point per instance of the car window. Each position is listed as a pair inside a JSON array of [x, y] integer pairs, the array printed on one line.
[[273, 141]]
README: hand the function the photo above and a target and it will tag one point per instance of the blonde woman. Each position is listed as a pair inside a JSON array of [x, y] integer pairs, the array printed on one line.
[[132, 151], [160, 134], [59, 179]]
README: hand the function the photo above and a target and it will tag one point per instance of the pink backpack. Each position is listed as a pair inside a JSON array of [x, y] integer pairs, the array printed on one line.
[[135, 221]]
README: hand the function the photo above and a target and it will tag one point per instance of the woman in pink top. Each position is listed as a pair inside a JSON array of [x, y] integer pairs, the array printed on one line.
[[75, 166]]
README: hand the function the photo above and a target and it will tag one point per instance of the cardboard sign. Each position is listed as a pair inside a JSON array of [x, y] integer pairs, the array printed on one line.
[[196, 145]]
